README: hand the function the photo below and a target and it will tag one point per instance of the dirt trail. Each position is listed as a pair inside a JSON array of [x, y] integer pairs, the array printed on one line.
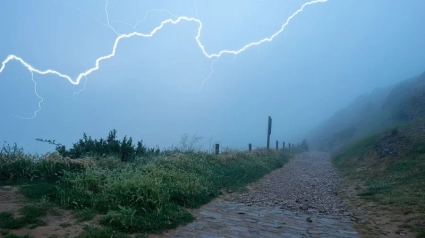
[[58, 222], [298, 200]]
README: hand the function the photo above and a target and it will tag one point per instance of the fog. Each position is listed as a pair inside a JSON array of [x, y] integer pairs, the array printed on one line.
[[160, 88]]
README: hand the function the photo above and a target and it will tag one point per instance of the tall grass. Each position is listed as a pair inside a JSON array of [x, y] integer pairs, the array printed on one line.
[[146, 195], [48, 167]]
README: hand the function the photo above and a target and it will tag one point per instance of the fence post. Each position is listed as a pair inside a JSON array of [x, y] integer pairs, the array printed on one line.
[[269, 131], [217, 149], [283, 145], [277, 144], [250, 147]]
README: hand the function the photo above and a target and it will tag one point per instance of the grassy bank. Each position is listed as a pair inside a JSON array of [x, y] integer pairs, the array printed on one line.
[[395, 179], [142, 196]]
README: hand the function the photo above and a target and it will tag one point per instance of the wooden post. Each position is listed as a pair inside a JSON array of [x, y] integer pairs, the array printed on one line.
[[277, 145], [217, 149], [283, 145], [250, 147], [269, 131]]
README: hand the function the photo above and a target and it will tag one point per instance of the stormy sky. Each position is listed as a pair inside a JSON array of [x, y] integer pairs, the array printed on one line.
[[154, 88]]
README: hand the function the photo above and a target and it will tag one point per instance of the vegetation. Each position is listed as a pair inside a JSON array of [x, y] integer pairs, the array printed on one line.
[[398, 180], [147, 194], [378, 110], [30, 214], [101, 232], [110, 146]]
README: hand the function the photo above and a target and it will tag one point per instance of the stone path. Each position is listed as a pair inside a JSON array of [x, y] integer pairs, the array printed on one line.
[[298, 200], [307, 183]]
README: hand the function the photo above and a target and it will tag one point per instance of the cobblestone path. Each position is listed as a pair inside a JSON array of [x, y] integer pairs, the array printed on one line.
[[307, 207]]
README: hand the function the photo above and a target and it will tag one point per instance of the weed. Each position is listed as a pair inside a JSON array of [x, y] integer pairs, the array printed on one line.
[[84, 215], [30, 216], [7, 221], [64, 225], [97, 232], [33, 212]]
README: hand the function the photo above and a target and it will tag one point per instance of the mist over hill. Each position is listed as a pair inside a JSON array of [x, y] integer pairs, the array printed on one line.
[[371, 112]]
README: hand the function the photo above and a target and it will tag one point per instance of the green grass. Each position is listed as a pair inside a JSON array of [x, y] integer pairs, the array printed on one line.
[[30, 215], [49, 167], [84, 215], [350, 158], [143, 196], [100, 232], [398, 181]]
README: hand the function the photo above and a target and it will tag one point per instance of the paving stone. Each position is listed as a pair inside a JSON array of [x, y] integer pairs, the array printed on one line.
[[210, 214], [238, 228], [250, 220]]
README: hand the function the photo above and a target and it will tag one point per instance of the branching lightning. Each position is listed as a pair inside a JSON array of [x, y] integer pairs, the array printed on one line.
[[176, 20], [209, 76], [144, 18], [93, 16], [81, 90], [39, 102]]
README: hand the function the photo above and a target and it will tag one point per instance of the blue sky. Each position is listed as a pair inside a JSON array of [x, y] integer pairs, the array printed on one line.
[[327, 55]]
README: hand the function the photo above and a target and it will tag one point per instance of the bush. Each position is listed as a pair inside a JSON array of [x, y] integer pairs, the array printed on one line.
[[111, 146]]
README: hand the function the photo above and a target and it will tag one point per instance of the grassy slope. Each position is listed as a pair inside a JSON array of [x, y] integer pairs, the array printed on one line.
[[398, 181], [142, 196], [372, 112]]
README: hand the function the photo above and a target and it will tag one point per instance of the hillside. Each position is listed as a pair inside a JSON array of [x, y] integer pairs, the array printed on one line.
[[369, 113], [385, 178]]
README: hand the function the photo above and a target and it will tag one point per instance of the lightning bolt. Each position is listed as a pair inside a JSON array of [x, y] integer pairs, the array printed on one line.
[[209, 76], [81, 90], [39, 102], [120, 37]]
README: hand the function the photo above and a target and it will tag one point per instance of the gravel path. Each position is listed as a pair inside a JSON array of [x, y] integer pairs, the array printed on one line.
[[307, 184], [298, 200]]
